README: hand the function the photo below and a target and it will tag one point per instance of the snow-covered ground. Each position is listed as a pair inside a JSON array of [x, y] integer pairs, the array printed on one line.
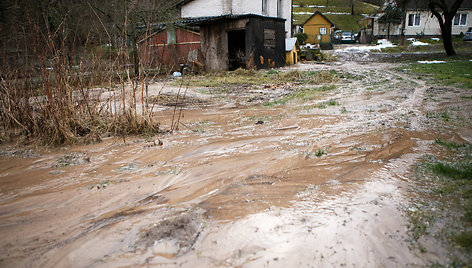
[[382, 43]]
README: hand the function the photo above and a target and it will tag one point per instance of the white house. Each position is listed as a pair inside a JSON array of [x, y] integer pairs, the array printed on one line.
[[269, 8], [420, 22]]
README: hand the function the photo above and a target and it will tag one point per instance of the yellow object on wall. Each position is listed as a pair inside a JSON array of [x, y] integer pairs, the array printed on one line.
[[318, 29], [291, 51], [291, 57]]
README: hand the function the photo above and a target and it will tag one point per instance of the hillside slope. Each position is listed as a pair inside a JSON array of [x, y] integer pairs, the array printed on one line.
[[338, 11]]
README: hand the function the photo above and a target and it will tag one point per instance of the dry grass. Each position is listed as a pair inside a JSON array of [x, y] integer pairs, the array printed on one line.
[[48, 98]]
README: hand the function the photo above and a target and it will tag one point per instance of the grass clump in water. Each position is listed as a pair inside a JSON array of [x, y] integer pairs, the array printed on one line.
[[320, 153]]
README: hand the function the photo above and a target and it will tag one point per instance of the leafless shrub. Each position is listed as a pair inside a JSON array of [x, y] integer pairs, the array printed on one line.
[[53, 83]]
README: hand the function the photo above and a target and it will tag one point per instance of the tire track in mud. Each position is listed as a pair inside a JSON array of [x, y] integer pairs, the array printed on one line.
[[261, 195]]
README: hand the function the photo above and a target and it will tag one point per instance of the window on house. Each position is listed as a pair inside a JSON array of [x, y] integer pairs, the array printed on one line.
[[323, 30], [269, 38], [279, 9], [414, 20], [460, 19], [264, 7]]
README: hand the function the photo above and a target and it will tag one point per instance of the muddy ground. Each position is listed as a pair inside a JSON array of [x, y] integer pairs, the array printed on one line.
[[317, 182]]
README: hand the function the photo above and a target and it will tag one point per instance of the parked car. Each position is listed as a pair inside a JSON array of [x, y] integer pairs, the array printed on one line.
[[348, 37], [344, 37], [468, 35]]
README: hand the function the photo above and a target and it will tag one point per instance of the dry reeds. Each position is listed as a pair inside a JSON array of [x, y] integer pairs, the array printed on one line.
[[57, 93]]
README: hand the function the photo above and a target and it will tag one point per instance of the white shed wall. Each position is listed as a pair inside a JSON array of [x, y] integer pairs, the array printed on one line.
[[201, 8], [247, 6]]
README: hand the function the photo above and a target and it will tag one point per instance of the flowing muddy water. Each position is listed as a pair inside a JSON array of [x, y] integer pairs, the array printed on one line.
[[304, 184]]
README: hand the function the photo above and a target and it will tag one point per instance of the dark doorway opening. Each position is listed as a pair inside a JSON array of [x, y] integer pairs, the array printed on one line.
[[236, 49]]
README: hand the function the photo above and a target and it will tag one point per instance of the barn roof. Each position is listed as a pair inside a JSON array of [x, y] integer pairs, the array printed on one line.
[[314, 14], [230, 17]]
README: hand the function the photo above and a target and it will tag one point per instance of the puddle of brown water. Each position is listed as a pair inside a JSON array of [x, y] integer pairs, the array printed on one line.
[[260, 192]]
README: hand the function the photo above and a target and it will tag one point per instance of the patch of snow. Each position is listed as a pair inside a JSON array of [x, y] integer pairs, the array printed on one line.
[[308, 45], [419, 43], [312, 6], [337, 13], [431, 61], [382, 43], [415, 42], [435, 39], [303, 13]]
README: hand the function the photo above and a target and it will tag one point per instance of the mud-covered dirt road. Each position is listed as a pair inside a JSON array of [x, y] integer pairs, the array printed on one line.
[[319, 182]]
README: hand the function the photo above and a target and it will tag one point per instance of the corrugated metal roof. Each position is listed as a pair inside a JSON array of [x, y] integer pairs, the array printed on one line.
[[209, 20]]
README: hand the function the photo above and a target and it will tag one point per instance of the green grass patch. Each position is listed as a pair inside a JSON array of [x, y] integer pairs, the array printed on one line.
[[464, 240], [347, 22], [303, 94], [461, 170], [451, 145], [320, 153], [331, 102], [226, 80], [334, 6], [442, 206], [454, 72]]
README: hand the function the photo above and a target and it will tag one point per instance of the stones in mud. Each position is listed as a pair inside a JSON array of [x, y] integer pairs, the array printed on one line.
[[72, 159], [23, 153], [182, 229], [154, 143], [158, 142]]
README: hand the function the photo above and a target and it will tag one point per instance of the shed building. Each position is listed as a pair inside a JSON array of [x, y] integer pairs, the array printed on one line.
[[229, 42], [318, 28], [291, 51]]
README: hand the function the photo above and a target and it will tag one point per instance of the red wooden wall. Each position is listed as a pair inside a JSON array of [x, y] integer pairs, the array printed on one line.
[[155, 50]]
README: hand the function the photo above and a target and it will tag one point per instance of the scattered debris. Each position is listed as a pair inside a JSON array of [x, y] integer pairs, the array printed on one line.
[[72, 159], [158, 142], [101, 185]]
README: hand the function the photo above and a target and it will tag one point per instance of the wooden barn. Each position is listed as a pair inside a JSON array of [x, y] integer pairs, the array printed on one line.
[[248, 41], [318, 28], [170, 45]]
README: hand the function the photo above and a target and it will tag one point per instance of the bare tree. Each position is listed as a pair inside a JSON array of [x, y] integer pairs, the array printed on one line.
[[393, 15], [444, 11]]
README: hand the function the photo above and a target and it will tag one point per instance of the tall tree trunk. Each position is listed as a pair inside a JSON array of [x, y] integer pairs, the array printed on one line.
[[388, 31], [445, 18], [445, 23], [446, 33], [402, 30]]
